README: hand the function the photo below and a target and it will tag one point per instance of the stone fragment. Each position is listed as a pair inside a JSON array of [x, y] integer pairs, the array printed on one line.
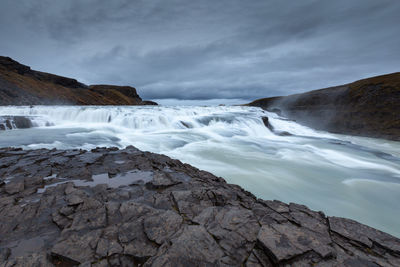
[[66, 210], [230, 218], [162, 180], [35, 259], [4, 254], [92, 218], [285, 241], [58, 160], [22, 122], [132, 210], [191, 203], [15, 186], [134, 240], [267, 123], [160, 227], [106, 248], [193, 246], [363, 234], [74, 199], [60, 220], [77, 247], [90, 158]]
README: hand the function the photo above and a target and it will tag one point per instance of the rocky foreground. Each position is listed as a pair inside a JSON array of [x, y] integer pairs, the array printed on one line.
[[369, 107], [111, 207]]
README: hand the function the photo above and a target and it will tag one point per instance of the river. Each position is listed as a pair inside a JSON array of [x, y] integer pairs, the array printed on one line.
[[347, 176]]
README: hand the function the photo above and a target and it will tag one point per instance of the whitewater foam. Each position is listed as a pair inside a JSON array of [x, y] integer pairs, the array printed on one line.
[[310, 167]]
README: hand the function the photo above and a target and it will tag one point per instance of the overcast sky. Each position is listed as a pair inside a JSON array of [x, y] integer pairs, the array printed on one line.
[[205, 49]]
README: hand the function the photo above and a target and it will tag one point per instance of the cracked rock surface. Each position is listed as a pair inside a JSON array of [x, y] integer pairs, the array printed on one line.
[[110, 207]]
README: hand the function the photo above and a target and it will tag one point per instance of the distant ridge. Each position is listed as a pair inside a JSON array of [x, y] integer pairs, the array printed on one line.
[[368, 107], [20, 85]]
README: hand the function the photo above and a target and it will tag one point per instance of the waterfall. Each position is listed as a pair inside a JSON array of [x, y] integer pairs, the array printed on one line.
[[354, 177]]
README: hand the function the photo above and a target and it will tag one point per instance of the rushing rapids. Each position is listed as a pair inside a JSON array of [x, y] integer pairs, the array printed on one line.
[[346, 176]]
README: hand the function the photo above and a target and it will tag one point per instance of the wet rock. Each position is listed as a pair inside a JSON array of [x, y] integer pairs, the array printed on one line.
[[191, 203], [131, 209], [91, 214], [74, 199], [90, 158], [160, 227], [58, 160], [15, 186], [363, 234], [271, 128], [187, 125], [180, 216], [134, 240], [77, 248], [4, 254], [8, 124], [235, 228], [193, 245], [283, 133], [267, 124], [11, 122], [36, 259], [162, 180], [285, 241], [106, 247], [22, 122], [7, 161], [61, 220], [148, 102]]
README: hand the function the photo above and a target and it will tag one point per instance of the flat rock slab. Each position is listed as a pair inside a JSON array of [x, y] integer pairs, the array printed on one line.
[[110, 207]]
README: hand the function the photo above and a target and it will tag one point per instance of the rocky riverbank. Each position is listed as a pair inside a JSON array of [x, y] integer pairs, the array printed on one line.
[[110, 207], [369, 107]]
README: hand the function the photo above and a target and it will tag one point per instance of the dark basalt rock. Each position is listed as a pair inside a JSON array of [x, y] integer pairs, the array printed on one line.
[[22, 122], [267, 124], [284, 133], [271, 128], [53, 212], [11, 122], [148, 102]]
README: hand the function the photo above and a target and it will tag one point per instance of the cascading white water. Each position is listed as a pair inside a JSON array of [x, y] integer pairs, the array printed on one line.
[[341, 175]]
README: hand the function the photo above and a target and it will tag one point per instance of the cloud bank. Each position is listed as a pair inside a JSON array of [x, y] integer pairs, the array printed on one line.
[[205, 49]]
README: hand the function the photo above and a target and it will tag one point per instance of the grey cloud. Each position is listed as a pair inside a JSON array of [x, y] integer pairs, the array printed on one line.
[[205, 49]]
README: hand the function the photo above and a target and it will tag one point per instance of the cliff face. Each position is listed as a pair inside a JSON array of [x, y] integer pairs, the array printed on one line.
[[369, 107], [19, 85]]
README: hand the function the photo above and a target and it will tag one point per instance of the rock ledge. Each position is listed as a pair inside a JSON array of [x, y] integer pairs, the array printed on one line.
[[111, 207]]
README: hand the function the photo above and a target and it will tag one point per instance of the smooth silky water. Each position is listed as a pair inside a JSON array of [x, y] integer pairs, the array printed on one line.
[[341, 175]]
